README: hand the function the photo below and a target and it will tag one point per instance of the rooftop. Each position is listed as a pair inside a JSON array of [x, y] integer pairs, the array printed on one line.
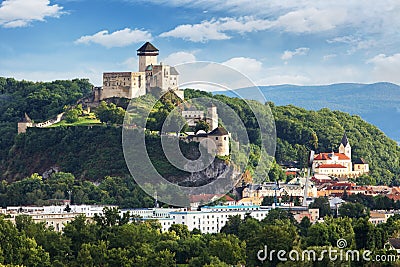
[[147, 47], [219, 131], [331, 166]]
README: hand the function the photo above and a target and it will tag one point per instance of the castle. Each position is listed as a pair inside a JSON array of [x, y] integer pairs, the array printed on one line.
[[217, 138], [26, 123], [193, 116], [150, 77], [340, 164], [216, 141]]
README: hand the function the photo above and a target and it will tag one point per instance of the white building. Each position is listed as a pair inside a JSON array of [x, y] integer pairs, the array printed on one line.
[[294, 188], [212, 219], [55, 216], [340, 164], [216, 141]]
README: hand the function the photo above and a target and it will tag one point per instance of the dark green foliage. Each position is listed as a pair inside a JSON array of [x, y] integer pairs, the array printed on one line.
[[321, 203], [37, 191], [110, 113], [111, 241], [72, 114], [89, 152], [40, 100], [352, 210]]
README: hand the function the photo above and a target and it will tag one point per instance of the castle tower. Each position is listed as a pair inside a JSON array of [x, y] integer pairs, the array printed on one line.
[[345, 147], [212, 117], [24, 124], [147, 56]]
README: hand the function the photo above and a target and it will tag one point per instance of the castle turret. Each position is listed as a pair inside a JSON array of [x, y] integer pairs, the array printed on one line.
[[212, 117], [24, 124], [345, 147], [147, 56]]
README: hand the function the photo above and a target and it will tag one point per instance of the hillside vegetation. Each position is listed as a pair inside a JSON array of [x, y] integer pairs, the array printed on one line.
[[40, 100], [91, 153]]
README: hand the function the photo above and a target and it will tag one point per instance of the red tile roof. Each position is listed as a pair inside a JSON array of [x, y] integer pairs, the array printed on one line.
[[327, 156], [331, 166]]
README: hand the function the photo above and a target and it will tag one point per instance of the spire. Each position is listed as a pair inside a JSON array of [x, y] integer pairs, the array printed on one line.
[[345, 140]]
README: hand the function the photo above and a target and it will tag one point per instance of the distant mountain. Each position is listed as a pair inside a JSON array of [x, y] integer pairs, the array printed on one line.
[[377, 103]]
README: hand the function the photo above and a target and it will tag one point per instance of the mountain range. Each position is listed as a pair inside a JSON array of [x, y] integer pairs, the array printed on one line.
[[377, 103]]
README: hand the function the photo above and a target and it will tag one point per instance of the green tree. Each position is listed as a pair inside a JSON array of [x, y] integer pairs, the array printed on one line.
[[322, 204], [232, 225], [228, 248], [180, 230], [72, 114], [202, 125], [110, 113], [353, 210]]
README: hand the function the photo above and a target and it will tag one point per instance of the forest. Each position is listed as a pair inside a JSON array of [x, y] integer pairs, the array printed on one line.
[[110, 240]]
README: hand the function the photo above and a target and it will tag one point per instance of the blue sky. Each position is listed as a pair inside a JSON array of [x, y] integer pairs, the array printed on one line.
[[303, 42]]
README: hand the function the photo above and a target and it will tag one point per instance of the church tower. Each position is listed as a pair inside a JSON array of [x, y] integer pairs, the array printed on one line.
[[345, 147], [147, 56]]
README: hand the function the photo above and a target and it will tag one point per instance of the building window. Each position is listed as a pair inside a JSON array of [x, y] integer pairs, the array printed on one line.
[[216, 138]]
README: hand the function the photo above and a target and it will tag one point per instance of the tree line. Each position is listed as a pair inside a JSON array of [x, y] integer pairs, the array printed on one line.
[[114, 240]]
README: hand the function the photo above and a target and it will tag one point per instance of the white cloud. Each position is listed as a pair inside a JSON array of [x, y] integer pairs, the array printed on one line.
[[119, 38], [207, 30], [131, 63], [356, 43], [179, 58], [297, 52], [311, 20], [216, 29], [300, 21], [386, 68], [247, 66], [367, 17], [328, 57], [20, 13]]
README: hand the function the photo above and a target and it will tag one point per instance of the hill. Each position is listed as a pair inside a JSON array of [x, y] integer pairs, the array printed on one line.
[[377, 103], [91, 153]]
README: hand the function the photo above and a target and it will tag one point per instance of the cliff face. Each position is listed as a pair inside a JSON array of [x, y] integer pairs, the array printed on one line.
[[217, 168]]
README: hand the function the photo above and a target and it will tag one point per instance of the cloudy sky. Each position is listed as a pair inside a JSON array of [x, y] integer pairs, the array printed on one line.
[[303, 42]]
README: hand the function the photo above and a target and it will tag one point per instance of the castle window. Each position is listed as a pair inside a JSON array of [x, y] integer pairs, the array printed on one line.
[[225, 138], [216, 138]]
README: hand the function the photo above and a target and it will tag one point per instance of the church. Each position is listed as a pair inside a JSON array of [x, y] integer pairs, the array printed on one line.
[[151, 76], [340, 164]]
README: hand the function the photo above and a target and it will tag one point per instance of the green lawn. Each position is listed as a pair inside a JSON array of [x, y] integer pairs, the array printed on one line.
[[86, 120]]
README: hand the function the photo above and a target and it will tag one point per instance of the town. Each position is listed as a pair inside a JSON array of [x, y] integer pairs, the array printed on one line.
[[66, 176], [334, 174]]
